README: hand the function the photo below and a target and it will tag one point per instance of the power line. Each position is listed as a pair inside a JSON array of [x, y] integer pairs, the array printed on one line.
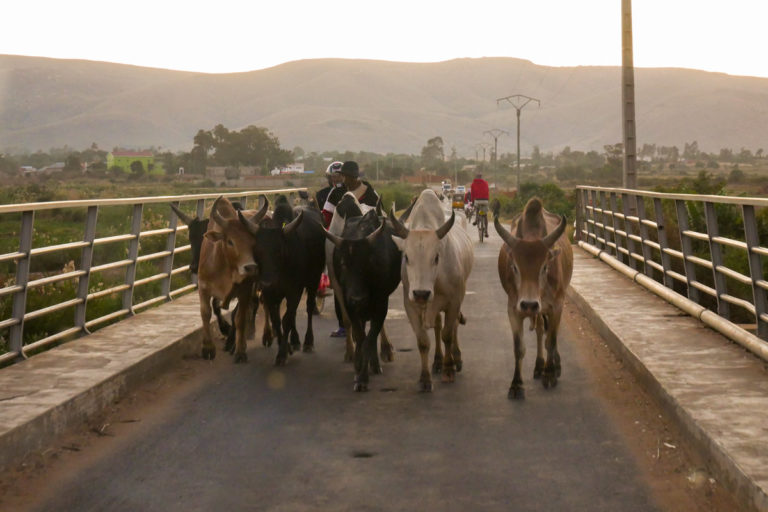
[[519, 101]]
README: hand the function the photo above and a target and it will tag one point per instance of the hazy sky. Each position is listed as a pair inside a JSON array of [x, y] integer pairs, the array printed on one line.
[[241, 35]]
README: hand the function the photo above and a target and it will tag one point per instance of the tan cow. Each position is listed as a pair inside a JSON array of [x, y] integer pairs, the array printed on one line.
[[227, 270], [437, 260], [535, 267]]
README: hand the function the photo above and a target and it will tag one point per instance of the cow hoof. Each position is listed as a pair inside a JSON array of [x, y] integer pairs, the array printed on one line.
[[458, 366], [538, 369], [387, 356], [308, 348], [241, 357], [296, 346], [280, 361], [449, 376], [425, 387], [549, 379], [376, 368], [209, 353], [557, 371], [361, 387], [516, 393], [266, 341], [348, 358]]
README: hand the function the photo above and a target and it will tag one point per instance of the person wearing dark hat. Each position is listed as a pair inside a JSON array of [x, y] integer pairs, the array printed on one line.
[[362, 190]]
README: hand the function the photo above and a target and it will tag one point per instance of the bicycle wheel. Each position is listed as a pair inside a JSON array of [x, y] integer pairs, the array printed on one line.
[[481, 220]]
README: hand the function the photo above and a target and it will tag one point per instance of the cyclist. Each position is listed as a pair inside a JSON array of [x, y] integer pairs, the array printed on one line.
[[480, 194]]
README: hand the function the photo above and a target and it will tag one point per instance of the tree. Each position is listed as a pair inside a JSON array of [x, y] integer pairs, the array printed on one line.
[[691, 151], [433, 155], [137, 168], [72, 163]]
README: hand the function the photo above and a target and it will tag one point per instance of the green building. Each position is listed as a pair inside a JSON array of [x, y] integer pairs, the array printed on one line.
[[124, 159]]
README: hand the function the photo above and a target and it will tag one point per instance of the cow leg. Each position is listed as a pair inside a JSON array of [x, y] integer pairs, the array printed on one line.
[[283, 348], [209, 349], [361, 356], [223, 324], [552, 367], [437, 363], [267, 334], [422, 340], [242, 316], [289, 321], [309, 336], [450, 341], [540, 332], [516, 390], [371, 339], [229, 343], [387, 350]]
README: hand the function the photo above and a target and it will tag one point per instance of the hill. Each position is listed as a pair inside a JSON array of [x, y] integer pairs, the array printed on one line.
[[379, 106]]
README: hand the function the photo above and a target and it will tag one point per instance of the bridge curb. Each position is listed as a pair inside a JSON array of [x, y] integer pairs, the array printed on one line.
[[728, 471], [68, 395]]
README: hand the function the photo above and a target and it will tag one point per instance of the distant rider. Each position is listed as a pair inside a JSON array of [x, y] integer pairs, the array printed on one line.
[[480, 193]]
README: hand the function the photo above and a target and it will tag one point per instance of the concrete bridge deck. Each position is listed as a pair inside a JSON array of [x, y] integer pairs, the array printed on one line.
[[716, 390]]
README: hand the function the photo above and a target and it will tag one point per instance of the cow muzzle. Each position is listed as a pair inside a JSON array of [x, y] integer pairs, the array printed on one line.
[[529, 307], [421, 296]]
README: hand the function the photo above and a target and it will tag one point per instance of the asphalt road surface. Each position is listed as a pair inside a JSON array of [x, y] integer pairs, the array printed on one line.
[[297, 438]]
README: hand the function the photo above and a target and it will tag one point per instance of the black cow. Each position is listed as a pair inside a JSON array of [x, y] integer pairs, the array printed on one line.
[[290, 254], [367, 265]]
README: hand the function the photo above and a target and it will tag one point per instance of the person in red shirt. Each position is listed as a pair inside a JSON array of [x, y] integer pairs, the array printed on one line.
[[479, 193]]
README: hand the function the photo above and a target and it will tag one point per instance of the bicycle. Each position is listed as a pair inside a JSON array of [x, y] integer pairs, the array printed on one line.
[[481, 207]]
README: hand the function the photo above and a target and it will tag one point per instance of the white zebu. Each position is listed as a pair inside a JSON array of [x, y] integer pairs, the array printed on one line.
[[437, 260]]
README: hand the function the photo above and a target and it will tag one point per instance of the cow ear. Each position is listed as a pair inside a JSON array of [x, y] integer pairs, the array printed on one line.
[[214, 236], [399, 242]]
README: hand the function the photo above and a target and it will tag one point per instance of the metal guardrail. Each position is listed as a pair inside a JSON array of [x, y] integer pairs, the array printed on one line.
[[676, 239], [17, 286]]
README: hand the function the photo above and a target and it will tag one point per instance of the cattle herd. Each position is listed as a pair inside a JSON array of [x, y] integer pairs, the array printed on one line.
[[278, 256]]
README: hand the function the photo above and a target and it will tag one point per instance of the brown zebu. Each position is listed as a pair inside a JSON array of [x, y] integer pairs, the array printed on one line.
[[535, 267], [226, 270]]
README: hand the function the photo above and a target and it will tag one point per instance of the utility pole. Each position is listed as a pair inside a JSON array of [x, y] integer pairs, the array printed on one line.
[[628, 97], [495, 134], [519, 101]]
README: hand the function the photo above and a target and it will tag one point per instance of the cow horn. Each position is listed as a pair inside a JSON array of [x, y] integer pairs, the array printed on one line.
[[215, 215], [333, 238], [373, 236], [288, 228], [251, 225], [551, 238], [181, 215], [262, 211], [407, 212], [505, 235], [397, 226], [445, 228]]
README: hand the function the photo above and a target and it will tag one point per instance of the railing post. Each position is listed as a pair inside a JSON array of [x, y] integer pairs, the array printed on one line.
[[614, 223], [716, 255], [133, 253], [19, 308], [628, 210], [687, 248], [589, 206], [579, 215], [643, 233], [661, 233], [86, 259], [170, 246], [759, 294]]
